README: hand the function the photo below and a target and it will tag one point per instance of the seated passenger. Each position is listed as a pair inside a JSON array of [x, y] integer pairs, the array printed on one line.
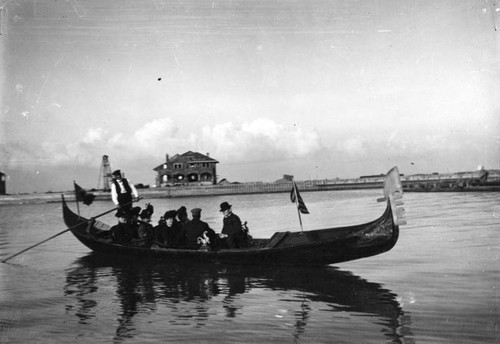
[[168, 230], [134, 220], [122, 233], [182, 216], [232, 232], [144, 229], [195, 229]]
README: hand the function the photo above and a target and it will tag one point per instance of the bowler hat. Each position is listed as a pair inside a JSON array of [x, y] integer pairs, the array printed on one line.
[[182, 211], [117, 173], [196, 211], [225, 206]]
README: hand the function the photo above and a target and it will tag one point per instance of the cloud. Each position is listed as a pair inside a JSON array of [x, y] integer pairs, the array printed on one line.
[[354, 146], [154, 133], [94, 135], [270, 144], [259, 140], [253, 141]]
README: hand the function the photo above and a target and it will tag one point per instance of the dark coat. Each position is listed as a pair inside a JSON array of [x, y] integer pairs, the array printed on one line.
[[236, 237], [195, 229], [170, 236], [122, 233], [231, 225], [143, 235]]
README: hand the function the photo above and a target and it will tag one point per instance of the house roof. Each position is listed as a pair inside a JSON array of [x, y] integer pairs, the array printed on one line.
[[189, 156], [194, 157]]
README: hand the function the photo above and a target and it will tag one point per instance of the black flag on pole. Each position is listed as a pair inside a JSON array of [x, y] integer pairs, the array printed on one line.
[[296, 198], [82, 195]]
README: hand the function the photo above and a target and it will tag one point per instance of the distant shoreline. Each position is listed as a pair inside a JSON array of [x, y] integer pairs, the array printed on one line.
[[410, 184]]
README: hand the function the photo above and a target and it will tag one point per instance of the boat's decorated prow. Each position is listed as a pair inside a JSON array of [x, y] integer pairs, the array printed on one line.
[[393, 192]]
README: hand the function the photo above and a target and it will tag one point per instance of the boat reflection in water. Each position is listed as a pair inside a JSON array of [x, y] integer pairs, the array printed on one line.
[[149, 294]]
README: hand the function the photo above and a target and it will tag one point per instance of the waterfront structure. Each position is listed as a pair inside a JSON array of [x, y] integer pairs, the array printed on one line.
[[3, 178], [105, 174], [446, 181], [190, 168]]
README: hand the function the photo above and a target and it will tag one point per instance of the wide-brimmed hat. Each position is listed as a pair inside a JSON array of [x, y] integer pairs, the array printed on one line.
[[225, 206], [170, 214]]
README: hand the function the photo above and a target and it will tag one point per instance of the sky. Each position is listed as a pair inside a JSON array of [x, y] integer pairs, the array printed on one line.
[[317, 89]]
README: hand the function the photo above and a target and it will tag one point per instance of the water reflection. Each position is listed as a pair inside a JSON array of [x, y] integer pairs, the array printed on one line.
[[142, 288]]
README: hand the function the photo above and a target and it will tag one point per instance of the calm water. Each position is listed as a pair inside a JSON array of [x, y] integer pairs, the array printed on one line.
[[439, 284]]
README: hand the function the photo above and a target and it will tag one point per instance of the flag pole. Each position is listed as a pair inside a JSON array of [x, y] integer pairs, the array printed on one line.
[[297, 204]]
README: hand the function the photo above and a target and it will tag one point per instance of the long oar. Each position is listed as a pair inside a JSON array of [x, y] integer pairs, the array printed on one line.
[[64, 231]]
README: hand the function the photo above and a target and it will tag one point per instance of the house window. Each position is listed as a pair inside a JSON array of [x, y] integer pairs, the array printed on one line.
[[177, 166], [206, 177]]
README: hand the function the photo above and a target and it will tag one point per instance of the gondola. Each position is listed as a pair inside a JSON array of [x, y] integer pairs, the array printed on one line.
[[308, 248]]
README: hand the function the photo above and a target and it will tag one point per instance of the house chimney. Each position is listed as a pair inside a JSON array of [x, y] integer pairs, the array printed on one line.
[[208, 154], [166, 158]]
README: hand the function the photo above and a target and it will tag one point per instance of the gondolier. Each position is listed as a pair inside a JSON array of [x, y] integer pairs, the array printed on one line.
[[122, 191]]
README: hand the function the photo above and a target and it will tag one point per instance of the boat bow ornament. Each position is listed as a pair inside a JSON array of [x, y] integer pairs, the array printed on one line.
[[393, 192]]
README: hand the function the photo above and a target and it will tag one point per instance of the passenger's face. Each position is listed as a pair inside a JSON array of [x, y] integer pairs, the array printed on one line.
[[170, 222], [226, 212]]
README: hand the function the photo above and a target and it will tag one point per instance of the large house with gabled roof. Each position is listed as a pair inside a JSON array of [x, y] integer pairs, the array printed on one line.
[[190, 168]]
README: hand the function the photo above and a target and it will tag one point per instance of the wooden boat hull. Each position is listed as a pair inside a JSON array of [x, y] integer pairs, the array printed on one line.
[[316, 247]]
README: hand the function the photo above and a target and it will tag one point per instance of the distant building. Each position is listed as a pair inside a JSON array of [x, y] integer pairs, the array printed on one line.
[[190, 168], [3, 179]]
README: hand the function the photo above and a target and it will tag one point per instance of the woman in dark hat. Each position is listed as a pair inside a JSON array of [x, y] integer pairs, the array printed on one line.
[[122, 232], [168, 230], [143, 228]]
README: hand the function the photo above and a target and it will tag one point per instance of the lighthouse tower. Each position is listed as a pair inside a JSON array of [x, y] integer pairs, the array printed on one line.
[[105, 174]]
